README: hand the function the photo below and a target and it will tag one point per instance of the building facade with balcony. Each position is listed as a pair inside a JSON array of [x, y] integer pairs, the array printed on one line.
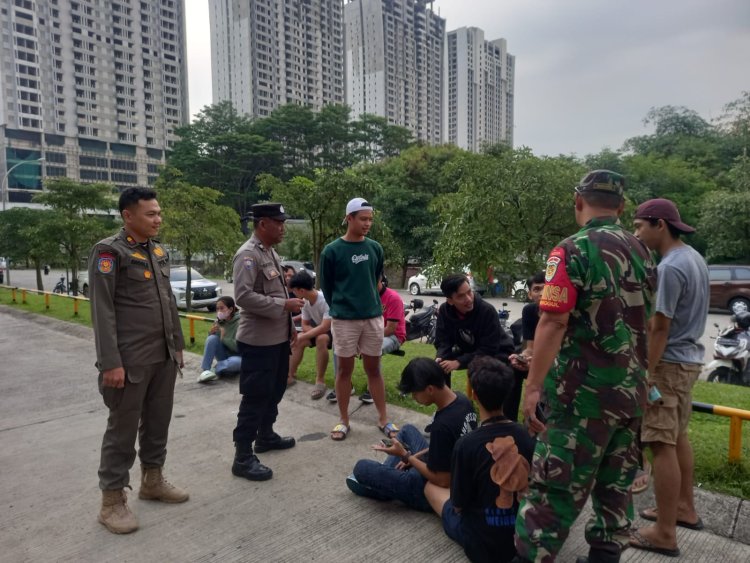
[[95, 88]]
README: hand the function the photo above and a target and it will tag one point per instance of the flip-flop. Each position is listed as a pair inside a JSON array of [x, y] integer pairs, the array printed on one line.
[[318, 391], [390, 429], [645, 476], [290, 382], [639, 542], [650, 515], [341, 429]]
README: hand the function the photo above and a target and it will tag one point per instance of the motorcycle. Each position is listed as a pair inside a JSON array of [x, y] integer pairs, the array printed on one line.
[[60, 286], [504, 315], [423, 323], [732, 352]]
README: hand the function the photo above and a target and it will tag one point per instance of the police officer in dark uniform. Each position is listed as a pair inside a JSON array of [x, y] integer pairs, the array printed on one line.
[[139, 345], [264, 340]]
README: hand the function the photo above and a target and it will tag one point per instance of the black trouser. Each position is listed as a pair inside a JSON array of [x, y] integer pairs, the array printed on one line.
[[513, 400], [262, 386]]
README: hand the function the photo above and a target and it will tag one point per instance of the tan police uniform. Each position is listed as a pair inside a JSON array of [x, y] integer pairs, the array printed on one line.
[[136, 326]]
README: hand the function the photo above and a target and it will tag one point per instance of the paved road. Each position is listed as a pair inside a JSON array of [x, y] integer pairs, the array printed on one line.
[[51, 423], [27, 278]]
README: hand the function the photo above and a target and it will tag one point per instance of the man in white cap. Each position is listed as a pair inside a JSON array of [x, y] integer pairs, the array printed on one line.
[[350, 268]]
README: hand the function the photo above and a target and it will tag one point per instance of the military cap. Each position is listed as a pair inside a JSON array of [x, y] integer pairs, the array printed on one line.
[[270, 210], [604, 181]]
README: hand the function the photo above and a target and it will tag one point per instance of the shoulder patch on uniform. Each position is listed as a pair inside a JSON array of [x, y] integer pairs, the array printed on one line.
[[248, 262], [552, 264], [105, 263], [559, 294]]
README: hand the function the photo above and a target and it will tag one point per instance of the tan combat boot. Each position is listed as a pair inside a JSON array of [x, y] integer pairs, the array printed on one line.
[[115, 514], [155, 487]]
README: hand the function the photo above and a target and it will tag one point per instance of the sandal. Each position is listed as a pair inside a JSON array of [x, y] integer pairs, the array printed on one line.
[[390, 429], [639, 542], [342, 430], [290, 382], [318, 391], [650, 515]]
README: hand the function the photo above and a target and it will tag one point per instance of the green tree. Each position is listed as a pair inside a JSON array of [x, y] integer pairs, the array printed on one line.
[[23, 237], [509, 211], [81, 216], [726, 215], [194, 222], [376, 139]]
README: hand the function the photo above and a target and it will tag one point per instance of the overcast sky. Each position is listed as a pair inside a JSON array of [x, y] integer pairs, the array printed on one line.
[[587, 71]]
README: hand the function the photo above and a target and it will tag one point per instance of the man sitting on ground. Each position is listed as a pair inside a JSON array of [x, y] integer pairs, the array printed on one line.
[[467, 326], [411, 461], [316, 331], [490, 466]]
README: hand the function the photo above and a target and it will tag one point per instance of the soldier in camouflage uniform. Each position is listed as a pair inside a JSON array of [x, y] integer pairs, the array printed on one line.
[[597, 298]]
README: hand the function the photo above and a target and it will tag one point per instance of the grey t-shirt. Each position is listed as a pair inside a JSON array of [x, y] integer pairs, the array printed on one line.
[[316, 313], [682, 295]]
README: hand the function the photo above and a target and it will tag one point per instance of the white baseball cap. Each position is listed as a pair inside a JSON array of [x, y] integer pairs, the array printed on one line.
[[356, 204]]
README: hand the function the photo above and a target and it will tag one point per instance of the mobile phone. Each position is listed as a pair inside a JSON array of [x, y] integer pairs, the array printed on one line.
[[387, 442], [521, 359]]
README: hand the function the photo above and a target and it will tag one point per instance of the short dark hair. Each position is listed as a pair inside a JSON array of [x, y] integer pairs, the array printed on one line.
[[491, 380], [228, 302], [302, 280], [131, 196], [451, 283], [286, 267], [602, 200], [537, 278], [419, 373], [673, 232]]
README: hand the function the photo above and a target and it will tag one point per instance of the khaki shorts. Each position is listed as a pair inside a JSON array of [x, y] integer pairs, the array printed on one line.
[[361, 336], [667, 418]]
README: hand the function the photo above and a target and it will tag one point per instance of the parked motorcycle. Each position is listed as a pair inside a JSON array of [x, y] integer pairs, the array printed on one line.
[[60, 286], [504, 316], [732, 352], [421, 324]]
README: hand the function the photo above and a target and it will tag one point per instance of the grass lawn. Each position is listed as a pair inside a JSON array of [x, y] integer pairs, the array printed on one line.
[[709, 434]]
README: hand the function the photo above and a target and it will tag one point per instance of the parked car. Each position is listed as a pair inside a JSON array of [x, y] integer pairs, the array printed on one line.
[[2, 270], [428, 281], [205, 292], [83, 282], [300, 266], [730, 287]]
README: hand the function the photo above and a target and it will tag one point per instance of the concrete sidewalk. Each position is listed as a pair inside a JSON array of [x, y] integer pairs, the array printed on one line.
[[52, 419]]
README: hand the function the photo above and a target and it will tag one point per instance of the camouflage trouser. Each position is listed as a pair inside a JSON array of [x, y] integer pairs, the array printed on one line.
[[575, 457]]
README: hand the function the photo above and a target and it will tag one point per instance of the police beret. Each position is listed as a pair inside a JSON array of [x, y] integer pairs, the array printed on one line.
[[602, 181], [270, 210]]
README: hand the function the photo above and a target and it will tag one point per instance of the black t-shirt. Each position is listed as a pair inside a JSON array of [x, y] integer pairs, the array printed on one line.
[[449, 425], [488, 530], [530, 318]]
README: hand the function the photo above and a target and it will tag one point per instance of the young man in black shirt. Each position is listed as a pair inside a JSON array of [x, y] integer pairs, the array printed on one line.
[[467, 327], [411, 461], [490, 467], [520, 362]]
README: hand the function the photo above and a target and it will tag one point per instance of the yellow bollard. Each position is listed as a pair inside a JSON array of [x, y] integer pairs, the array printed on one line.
[[13, 294], [46, 300], [735, 439], [23, 296], [75, 306], [192, 331]]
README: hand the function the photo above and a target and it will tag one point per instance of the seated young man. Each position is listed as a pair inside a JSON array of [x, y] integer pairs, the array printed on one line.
[[316, 331], [490, 467], [411, 461]]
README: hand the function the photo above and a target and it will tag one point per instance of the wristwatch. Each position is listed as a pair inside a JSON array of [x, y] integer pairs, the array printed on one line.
[[406, 456]]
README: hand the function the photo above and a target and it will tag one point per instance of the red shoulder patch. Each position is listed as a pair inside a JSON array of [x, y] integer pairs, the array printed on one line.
[[559, 295]]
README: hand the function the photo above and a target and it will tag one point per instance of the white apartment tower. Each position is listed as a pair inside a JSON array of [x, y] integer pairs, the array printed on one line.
[[479, 90], [95, 88], [394, 63], [268, 53]]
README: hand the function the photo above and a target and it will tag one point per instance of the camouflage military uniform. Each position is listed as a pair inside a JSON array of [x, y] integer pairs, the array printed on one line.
[[596, 390]]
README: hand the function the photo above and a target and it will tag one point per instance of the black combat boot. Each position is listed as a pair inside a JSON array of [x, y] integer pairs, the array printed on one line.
[[247, 465], [602, 555], [269, 440]]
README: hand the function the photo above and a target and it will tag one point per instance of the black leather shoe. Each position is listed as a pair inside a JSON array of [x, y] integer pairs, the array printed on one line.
[[273, 442], [251, 468]]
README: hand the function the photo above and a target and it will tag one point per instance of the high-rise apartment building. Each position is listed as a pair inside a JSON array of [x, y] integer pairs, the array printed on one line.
[[268, 53], [479, 90], [394, 63], [95, 88]]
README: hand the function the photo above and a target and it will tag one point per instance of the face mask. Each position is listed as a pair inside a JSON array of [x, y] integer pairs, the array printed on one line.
[[222, 315]]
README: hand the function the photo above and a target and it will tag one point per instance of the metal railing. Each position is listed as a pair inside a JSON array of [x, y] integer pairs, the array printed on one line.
[[736, 416]]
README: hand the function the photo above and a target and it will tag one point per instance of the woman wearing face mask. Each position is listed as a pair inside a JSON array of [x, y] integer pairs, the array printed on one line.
[[221, 343]]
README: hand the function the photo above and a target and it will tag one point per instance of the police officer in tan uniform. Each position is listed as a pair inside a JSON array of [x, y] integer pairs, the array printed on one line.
[[263, 340], [138, 348]]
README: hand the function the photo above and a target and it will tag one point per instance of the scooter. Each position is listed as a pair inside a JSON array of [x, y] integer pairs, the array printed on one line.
[[504, 316], [732, 352], [421, 324]]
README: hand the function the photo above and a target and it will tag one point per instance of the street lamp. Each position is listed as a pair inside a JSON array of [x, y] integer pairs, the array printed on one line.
[[4, 195], [7, 175]]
